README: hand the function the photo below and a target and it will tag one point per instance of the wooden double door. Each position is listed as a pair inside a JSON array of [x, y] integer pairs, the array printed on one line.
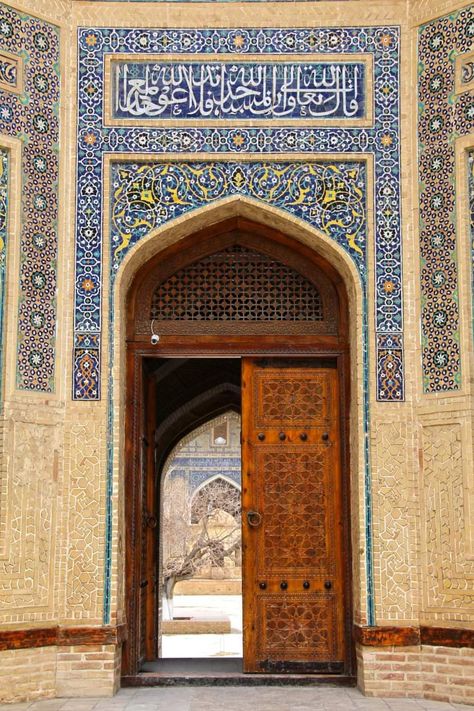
[[295, 520], [294, 587]]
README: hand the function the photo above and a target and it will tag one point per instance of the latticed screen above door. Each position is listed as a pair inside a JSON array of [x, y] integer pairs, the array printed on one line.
[[237, 289], [236, 284]]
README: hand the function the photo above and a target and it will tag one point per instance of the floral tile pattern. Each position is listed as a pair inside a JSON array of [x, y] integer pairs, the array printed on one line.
[[443, 116], [4, 175], [32, 116]]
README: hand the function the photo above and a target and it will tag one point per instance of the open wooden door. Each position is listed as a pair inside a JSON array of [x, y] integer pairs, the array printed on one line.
[[292, 517]]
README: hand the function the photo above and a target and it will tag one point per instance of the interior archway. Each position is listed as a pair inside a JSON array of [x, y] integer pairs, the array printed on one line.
[[324, 335], [199, 567]]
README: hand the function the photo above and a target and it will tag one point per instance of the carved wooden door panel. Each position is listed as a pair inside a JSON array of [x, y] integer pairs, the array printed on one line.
[[292, 517]]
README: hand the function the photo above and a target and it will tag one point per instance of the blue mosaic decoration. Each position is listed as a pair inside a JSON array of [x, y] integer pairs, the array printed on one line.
[[9, 74], [331, 196], [32, 116], [4, 176], [198, 470], [95, 140], [442, 117], [237, 90], [470, 173]]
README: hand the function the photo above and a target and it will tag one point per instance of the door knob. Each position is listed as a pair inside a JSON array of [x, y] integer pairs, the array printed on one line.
[[303, 436], [254, 518], [282, 436], [306, 584], [328, 585], [284, 585], [325, 436], [262, 585], [261, 436]]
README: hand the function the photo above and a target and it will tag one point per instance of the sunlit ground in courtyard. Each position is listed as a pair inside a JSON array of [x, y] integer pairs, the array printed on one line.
[[208, 608]]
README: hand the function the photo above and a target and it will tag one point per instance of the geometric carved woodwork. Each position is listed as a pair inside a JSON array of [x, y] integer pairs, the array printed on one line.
[[300, 401], [235, 283], [299, 624], [291, 484], [296, 488]]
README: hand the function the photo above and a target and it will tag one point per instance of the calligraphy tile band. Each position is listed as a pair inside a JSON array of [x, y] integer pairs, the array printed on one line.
[[313, 91]]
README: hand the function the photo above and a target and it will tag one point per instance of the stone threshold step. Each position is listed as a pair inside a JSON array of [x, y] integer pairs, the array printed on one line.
[[235, 679]]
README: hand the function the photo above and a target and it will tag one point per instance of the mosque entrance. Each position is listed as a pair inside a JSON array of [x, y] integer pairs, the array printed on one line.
[[241, 321]]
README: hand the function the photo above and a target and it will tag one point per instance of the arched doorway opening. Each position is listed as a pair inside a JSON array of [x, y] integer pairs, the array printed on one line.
[[200, 542], [239, 290]]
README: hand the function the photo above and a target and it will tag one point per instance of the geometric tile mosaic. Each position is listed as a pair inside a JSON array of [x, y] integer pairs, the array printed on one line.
[[32, 116], [4, 175], [470, 173], [443, 116], [96, 140]]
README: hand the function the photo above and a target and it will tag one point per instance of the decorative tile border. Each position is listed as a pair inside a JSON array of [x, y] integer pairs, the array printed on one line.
[[443, 116], [470, 174], [32, 116], [4, 208]]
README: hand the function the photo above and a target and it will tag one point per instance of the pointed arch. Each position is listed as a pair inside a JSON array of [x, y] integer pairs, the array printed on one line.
[[274, 227]]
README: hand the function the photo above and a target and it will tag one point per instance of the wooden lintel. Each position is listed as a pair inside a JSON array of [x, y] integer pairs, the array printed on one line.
[[391, 636], [387, 636], [61, 637]]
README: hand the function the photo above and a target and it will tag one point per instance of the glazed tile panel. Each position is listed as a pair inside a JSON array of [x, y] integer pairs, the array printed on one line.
[[4, 203], [443, 116], [32, 116], [177, 90], [96, 139], [330, 196], [470, 173]]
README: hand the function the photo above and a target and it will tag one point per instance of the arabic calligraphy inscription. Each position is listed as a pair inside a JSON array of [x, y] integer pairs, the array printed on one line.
[[216, 90], [11, 72]]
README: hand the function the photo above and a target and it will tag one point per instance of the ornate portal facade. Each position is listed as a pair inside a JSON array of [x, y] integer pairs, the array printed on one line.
[[244, 179]]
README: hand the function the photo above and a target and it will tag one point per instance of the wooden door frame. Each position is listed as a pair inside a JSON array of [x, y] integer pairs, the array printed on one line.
[[138, 348]]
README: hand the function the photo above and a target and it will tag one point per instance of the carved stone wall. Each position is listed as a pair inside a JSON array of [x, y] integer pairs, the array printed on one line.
[[84, 524], [395, 513], [31, 481], [448, 565]]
